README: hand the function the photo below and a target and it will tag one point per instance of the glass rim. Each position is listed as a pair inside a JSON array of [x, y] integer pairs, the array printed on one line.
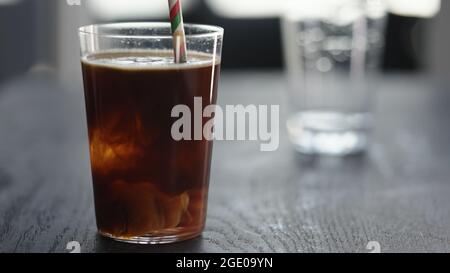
[[210, 30]]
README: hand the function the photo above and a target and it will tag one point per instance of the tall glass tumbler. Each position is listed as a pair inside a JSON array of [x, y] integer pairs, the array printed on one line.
[[332, 53], [150, 186]]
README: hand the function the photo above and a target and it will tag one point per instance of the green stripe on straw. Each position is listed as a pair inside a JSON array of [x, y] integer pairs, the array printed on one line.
[[175, 22]]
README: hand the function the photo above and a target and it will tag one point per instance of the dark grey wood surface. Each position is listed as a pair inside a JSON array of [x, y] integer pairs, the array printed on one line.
[[397, 194]]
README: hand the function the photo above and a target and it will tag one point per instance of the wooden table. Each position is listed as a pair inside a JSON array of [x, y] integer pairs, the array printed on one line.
[[398, 194]]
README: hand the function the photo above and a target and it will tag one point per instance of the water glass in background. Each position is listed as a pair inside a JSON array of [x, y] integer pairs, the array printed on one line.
[[332, 52]]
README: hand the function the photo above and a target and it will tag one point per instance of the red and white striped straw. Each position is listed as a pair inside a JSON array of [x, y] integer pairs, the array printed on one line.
[[179, 38]]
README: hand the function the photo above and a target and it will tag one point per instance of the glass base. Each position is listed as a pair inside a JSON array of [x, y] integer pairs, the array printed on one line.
[[329, 133], [167, 237]]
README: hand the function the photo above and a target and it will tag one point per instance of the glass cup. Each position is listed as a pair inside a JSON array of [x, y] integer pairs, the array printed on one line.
[[332, 53], [149, 187]]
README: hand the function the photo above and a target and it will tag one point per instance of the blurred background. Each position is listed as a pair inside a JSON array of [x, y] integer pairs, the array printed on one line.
[[42, 34], [396, 193]]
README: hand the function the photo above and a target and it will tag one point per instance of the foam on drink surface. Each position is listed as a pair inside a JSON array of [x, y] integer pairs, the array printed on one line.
[[148, 60]]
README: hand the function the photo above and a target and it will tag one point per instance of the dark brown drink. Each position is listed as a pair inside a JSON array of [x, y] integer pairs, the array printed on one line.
[[145, 182]]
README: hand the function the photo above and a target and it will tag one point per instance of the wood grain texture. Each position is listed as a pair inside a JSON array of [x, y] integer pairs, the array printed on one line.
[[397, 193]]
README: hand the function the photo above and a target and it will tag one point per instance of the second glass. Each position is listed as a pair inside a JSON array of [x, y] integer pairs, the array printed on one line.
[[332, 51], [148, 187]]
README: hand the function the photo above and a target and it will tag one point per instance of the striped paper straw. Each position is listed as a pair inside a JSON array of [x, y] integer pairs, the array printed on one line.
[[179, 39]]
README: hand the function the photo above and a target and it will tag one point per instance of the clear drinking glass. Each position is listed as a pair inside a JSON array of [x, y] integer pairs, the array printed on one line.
[[332, 53], [148, 187]]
